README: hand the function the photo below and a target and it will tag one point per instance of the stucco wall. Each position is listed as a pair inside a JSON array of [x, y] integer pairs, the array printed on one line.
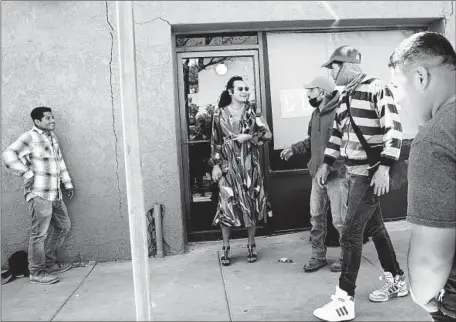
[[265, 13], [160, 128], [65, 55], [60, 54], [449, 27]]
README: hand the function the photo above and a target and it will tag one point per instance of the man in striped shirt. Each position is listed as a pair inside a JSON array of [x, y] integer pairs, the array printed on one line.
[[36, 157], [373, 110]]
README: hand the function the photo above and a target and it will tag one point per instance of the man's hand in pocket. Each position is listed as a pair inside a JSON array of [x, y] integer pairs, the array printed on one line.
[[28, 183], [70, 193]]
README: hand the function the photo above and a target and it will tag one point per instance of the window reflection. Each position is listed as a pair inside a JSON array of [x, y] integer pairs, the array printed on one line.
[[204, 80], [203, 84]]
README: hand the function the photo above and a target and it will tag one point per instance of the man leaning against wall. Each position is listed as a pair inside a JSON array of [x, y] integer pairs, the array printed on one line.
[[36, 157]]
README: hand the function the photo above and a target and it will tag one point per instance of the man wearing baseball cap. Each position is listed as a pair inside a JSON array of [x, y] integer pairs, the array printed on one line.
[[323, 96], [367, 105]]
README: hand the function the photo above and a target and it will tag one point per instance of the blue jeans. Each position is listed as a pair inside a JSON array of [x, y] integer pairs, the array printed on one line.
[[364, 212], [44, 214], [332, 196]]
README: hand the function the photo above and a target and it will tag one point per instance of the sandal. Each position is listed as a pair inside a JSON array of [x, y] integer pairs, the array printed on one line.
[[225, 259], [252, 256]]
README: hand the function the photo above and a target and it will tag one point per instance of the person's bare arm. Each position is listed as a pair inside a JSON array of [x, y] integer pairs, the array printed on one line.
[[430, 259]]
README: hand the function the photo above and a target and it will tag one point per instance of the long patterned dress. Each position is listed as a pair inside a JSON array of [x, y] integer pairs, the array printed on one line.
[[242, 199]]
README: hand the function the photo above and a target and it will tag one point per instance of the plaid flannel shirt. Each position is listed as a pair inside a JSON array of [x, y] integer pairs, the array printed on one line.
[[36, 154]]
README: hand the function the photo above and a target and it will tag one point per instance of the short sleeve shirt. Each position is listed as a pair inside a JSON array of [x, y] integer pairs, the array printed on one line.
[[432, 172], [432, 185]]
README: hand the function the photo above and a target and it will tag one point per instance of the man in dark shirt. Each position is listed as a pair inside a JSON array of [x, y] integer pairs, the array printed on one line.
[[424, 79], [322, 95]]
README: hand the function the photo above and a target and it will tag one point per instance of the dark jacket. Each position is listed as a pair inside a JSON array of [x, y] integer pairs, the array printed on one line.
[[319, 132]]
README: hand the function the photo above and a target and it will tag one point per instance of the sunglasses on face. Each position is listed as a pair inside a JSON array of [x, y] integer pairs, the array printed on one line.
[[240, 88]]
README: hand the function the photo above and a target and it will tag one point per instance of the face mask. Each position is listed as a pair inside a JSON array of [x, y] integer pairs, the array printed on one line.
[[314, 102], [347, 73]]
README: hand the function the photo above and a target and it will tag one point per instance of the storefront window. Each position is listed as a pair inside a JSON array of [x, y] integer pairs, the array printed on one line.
[[296, 58]]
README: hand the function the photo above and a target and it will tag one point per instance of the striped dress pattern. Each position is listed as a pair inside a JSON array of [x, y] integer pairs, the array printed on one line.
[[242, 198]]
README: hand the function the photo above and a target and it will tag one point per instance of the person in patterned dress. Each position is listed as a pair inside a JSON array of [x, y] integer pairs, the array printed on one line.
[[237, 134]]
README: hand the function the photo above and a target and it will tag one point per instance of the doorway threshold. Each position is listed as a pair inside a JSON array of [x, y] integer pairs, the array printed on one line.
[[241, 243], [289, 236], [216, 234]]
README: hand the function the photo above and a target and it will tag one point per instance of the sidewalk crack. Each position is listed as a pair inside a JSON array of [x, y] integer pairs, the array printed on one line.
[[370, 262], [72, 293], [227, 300]]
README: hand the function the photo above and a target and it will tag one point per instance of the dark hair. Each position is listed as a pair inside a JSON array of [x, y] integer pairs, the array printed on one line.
[[38, 112], [225, 98], [338, 62], [423, 46]]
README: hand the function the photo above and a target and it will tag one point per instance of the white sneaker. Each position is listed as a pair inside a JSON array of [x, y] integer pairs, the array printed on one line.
[[393, 287], [341, 308]]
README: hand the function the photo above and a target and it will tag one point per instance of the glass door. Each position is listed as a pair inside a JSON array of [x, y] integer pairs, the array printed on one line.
[[202, 78]]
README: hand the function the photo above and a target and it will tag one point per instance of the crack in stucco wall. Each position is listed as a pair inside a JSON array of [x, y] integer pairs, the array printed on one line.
[[149, 21], [113, 110]]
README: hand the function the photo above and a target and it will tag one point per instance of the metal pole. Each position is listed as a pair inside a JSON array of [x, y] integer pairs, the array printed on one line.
[[158, 229], [134, 179]]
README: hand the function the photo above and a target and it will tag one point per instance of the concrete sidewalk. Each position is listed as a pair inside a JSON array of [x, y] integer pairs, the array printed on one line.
[[195, 287]]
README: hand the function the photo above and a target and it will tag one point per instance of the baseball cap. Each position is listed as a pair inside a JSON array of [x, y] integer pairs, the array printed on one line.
[[321, 82], [346, 54]]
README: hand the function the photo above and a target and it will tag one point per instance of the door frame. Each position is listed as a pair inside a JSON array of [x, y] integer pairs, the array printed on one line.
[[184, 140]]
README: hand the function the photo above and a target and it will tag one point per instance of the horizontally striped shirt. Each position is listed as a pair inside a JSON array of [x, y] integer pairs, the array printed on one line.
[[374, 111], [38, 154]]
